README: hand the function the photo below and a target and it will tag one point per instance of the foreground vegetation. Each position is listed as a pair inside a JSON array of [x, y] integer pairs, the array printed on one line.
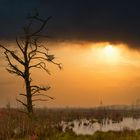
[[123, 135], [46, 124]]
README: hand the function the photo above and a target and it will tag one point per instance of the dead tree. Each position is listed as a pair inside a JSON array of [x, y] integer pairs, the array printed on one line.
[[30, 54]]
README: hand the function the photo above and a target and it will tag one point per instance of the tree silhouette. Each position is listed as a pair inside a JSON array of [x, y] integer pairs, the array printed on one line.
[[30, 54]]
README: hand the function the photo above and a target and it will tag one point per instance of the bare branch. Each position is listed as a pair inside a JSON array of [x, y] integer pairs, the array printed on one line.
[[22, 50], [40, 65], [23, 94], [44, 68], [13, 55], [17, 58], [40, 52], [42, 26], [44, 95], [37, 89], [4, 48], [58, 64], [13, 72], [14, 68], [22, 103], [39, 57], [33, 52], [40, 100], [36, 65]]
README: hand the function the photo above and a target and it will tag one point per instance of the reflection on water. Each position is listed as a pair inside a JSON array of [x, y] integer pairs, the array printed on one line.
[[91, 126]]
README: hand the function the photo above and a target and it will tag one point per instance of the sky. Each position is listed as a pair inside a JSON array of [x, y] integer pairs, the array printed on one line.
[[94, 20], [97, 41]]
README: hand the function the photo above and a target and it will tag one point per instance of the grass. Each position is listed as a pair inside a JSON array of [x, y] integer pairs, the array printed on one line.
[[46, 126], [126, 135]]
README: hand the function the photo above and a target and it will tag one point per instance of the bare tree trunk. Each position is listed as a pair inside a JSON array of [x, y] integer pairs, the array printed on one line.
[[27, 80], [28, 92]]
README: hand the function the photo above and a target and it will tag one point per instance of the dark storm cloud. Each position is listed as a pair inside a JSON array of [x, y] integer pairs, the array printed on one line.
[[97, 20]]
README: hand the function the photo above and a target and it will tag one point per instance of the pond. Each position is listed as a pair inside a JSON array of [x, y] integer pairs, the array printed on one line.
[[85, 126]]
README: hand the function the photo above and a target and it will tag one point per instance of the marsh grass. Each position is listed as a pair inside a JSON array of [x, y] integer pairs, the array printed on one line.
[[46, 125]]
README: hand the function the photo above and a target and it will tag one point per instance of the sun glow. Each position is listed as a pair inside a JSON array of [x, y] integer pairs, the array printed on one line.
[[109, 51]]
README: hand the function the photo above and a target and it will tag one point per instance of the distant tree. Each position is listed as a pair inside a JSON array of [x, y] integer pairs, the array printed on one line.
[[30, 54]]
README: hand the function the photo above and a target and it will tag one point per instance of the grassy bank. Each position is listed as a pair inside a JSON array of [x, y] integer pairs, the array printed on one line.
[[125, 135], [128, 135]]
